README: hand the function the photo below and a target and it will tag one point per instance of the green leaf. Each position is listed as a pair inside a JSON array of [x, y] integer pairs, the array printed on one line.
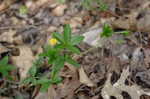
[[27, 80], [57, 66], [61, 1], [73, 49], [126, 33], [42, 81], [5, 68], [59, 37], [51, 53], [67, 33], [59, 46], [4, 61], [33, 70], [102, 6], [107, 31], [57, 80], [71, 61], [76, 39], [23, 10], [44, 87]]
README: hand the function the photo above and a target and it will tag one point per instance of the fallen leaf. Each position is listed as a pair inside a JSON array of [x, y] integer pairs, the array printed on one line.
[[52, 93], [92, 37], [115, 89], [3, 49], [70, 83], [34, 5], [3, 97], [7, 36], [5, 4], [84, 78], [43, 96], [24, 60], [59, 10], [147, 57]]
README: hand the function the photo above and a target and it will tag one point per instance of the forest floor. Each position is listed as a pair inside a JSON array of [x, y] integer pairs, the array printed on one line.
[[118, 68]]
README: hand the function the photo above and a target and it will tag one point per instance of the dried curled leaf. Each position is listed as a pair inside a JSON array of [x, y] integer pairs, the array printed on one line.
[[84, 79], [116, 89], [24, 60]]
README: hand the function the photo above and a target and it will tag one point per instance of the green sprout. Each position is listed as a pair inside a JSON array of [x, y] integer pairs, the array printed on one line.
[[108, 31], [23, 10]]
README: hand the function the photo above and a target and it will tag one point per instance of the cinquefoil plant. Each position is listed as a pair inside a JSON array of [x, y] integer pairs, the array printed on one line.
[[58, 52]]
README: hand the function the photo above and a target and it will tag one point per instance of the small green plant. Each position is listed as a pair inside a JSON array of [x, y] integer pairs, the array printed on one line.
[[108, 31], [5, 68], [94, 5], [59, 52], [23, 10], [61, 1]]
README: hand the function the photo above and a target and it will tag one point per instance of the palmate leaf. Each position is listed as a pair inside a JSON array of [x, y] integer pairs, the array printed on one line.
[[51, 53], [59, 37], [42, 81], [73, 49], [45, 86], [4, 61], [5, 68], [67, 33], [57, 66], [71, 61], [76, 39], [23, 10], [33, 70], [27, 80], [36, 64], [107, 31]]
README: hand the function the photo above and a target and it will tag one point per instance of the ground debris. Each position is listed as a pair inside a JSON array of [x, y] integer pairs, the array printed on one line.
[[24, 60], [116, 89]]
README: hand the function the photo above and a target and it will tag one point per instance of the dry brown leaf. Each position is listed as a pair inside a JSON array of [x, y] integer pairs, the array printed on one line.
[[147, 57], [24, 60], [4, 97], [7, 36], [3, 49], [5, 4], [43, 96], [92, 37], [117, 88], [69, 85], [84, 78], [137, 19], [34, 5], [52, 93], [59, 10]]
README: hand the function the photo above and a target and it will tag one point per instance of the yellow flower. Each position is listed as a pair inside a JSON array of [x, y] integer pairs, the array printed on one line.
[[53, 41]]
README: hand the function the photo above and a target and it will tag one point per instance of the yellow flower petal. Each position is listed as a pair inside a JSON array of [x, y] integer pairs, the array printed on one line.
[[53, 41]]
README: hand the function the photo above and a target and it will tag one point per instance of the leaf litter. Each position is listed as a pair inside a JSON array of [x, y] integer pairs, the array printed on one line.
[[105, 70]]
